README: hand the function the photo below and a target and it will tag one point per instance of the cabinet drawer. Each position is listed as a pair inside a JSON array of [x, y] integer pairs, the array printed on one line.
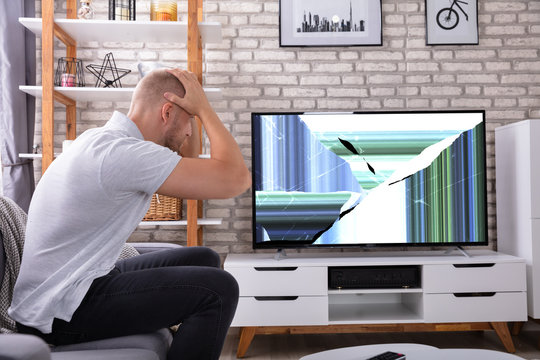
[[275, 281], [449, 278], [281, 311], [475, 307]]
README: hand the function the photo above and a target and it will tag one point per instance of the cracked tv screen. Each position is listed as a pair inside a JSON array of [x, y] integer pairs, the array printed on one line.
[[369, 179]]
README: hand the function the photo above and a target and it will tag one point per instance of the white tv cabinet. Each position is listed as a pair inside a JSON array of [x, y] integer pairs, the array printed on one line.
[[291, 295], [517, 160]]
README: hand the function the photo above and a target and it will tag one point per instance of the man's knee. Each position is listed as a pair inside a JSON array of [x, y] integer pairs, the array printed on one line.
[[212, 258], [229, 290]]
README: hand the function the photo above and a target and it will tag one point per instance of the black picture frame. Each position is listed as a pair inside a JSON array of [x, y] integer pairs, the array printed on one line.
[[313, 23], [452, 22]]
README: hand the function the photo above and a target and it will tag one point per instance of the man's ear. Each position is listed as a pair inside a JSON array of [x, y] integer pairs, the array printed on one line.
[[166, 112]]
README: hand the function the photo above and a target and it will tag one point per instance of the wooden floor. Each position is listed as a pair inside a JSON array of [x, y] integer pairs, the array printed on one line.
[[288, 347]]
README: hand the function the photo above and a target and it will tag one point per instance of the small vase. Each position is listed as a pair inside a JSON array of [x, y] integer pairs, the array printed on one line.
[[163, 10]]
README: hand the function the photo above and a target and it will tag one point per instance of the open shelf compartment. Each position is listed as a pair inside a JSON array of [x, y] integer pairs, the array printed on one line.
[[375, 308]]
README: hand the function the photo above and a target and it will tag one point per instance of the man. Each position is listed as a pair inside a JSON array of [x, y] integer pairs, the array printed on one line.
[[91, 199]]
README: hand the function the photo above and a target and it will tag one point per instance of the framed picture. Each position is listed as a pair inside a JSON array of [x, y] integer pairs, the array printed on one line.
[[330, 23], [452, 22]]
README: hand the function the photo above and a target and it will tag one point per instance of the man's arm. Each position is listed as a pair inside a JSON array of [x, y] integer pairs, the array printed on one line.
[[225, 174]]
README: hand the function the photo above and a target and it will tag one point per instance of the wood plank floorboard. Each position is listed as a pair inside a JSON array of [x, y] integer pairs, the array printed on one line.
[[289, 347]]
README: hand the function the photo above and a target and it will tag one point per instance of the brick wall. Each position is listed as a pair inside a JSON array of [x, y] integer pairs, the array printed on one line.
[[500, 75]]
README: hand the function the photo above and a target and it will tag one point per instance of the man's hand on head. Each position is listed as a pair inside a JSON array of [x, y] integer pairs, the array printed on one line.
[[194, 101]]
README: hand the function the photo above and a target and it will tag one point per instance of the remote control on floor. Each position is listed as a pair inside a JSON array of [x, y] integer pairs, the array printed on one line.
[[388, 355]]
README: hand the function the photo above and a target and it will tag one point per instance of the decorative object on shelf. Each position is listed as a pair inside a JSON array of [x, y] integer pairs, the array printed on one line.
[[122, 10], [340, 23], [163, 10], [164, 208], [69, 72], [109, 65], [451, 22], [86, 11]]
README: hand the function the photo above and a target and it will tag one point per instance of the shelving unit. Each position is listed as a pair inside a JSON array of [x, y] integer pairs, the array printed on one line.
[[195, 33]]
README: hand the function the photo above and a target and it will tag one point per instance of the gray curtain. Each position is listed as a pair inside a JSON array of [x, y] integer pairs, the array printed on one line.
[[17, 110]]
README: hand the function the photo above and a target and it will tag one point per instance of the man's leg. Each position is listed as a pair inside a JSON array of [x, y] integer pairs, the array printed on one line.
[[145, 298], [185, 256]]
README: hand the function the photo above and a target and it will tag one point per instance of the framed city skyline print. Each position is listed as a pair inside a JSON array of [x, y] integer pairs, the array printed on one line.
[[452, 22], [330, 23]]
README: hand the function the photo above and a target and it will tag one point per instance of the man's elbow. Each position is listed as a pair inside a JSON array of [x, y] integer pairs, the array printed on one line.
[[239, 183]]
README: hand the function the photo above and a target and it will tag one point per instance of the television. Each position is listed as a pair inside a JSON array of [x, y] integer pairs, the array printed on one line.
[[369, 179]]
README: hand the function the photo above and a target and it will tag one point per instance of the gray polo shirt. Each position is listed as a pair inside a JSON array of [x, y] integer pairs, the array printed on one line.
[[83, 210]]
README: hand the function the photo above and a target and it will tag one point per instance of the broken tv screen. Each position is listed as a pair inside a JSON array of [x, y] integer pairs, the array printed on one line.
[[369, 179]]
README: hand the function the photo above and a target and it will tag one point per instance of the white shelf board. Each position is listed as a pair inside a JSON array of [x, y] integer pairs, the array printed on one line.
[[202, 221], [102, 94], [371, 313], [128, 31], [39, 156], [33, 156]]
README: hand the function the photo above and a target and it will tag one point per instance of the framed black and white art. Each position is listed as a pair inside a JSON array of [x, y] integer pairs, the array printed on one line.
[[452, 22], [330, 23]]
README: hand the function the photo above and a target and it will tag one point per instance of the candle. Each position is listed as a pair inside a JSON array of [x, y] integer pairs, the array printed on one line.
[[67, 80]]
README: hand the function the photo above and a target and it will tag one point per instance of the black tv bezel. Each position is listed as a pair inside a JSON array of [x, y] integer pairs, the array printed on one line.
[[299, 245]]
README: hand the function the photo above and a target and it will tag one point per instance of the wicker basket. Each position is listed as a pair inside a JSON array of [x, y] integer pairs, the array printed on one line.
[[164, 208]]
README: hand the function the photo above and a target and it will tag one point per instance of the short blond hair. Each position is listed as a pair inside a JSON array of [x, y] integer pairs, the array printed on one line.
[[151, 88]]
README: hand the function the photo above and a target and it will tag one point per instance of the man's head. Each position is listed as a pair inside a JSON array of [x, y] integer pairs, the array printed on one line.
[[158, 119]]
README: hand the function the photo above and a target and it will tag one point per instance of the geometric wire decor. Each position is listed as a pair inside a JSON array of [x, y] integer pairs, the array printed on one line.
[[108, 67], [69, 72]]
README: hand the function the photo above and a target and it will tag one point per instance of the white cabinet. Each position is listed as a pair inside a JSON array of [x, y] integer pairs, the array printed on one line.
[[480, 292], [517, 156], [294, 291]]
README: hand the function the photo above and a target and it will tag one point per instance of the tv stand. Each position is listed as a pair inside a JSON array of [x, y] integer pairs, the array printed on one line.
[[458, 248], [280, 255], [292, 296]]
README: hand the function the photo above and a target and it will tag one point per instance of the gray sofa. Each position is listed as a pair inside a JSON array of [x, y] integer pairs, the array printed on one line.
[[152, 346]]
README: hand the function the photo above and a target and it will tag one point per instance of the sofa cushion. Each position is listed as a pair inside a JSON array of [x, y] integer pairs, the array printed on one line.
[[2, 259], [23, 347], [113, 354], [157, 342]]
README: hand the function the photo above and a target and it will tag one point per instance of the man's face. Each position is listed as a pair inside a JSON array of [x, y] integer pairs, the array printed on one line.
[[178, 129]]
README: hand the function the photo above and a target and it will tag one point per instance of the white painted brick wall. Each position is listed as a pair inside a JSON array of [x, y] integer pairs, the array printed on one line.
[[500, 75]]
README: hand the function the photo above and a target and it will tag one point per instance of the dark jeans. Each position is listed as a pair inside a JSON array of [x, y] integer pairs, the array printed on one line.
[[152, 291]]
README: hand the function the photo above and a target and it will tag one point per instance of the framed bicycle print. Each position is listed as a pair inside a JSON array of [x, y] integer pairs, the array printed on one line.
[[452, 22], [330, 23]]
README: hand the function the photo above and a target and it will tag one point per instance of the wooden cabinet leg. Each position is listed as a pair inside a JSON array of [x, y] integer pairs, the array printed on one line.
[[516, 328], [246, 336], [501, 328]]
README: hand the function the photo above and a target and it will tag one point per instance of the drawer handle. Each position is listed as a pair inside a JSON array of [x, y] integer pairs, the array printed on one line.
[[276, 298], [475, 294], [474, 265], [290, 268]]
